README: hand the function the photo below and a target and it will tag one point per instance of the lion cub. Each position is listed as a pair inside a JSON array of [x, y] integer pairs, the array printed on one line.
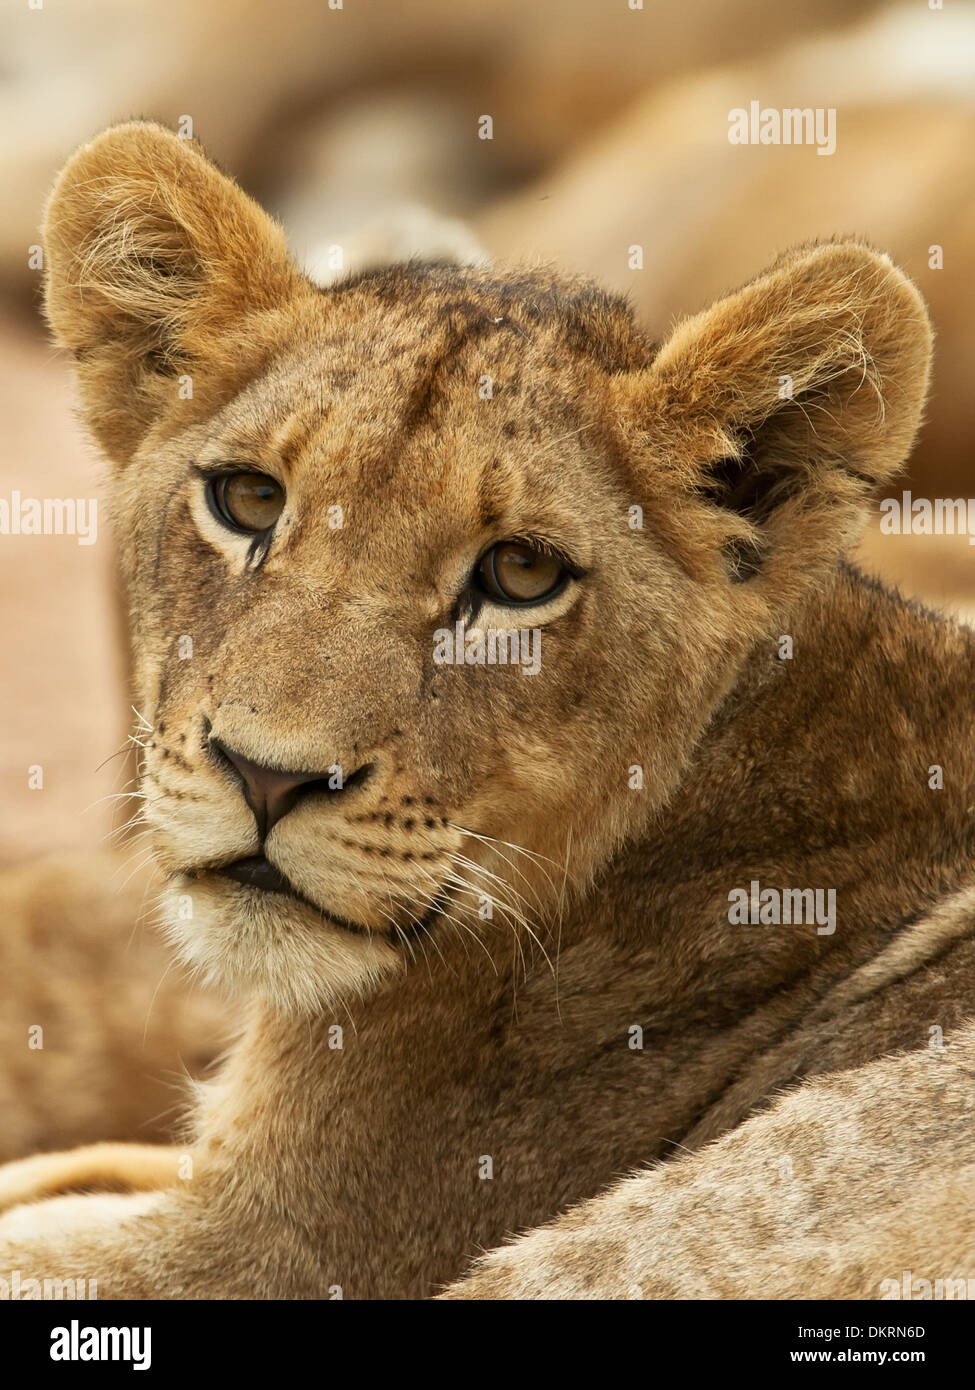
[[489, 920]]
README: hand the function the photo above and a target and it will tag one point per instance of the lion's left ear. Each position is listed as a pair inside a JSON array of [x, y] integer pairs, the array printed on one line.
[[776, 413]]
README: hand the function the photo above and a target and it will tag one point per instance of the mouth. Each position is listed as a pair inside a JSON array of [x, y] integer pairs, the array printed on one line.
[[257, 872]]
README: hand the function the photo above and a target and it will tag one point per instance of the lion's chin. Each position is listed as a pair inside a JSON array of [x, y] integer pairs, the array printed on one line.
[[272, 945]]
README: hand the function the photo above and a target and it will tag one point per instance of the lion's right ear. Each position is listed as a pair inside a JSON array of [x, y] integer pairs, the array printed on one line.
[[156, 264]]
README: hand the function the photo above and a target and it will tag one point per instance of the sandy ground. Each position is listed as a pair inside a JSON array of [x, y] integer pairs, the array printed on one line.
[[62, 693]]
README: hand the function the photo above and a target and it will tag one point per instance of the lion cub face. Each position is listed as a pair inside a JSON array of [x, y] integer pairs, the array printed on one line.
[[436, 579]]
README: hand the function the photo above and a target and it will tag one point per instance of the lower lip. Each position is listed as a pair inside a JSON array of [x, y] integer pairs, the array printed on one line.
[[258, 872]]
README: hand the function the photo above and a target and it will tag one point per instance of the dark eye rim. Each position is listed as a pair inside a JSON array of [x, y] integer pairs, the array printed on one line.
[[570, 571], [216, 482]]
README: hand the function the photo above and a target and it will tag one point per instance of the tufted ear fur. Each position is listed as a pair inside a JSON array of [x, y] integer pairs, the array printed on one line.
[[157, 266], [765, 424]]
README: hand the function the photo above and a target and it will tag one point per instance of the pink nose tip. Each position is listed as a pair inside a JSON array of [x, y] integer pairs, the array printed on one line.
[[270, 792]]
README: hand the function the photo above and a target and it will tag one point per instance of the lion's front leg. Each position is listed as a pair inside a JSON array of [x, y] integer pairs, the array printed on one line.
[[95, 1167], [145, 1245], [98, 1246]]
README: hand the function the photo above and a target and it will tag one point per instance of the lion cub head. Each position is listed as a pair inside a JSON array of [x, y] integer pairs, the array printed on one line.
[[437, 577]]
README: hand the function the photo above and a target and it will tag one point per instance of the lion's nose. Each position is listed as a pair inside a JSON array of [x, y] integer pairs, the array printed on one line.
[[271, 792]]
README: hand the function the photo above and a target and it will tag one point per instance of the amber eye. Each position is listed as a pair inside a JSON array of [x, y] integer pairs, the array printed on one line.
[[249, 502], [514, 572]]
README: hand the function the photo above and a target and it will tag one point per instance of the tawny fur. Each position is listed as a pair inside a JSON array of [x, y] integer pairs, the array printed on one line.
[[357, 1160], [134, 1167], [99, 1029]]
